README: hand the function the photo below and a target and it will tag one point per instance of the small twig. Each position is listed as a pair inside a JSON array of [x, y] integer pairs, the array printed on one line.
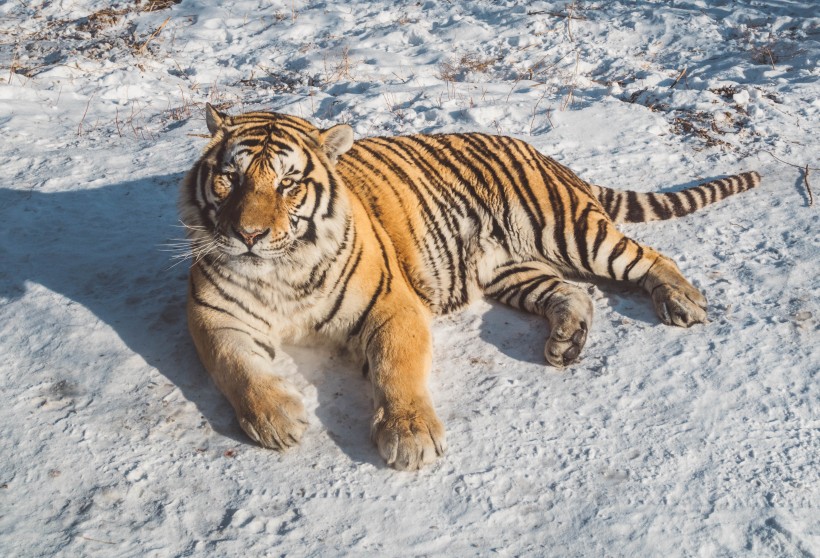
[[117, 122], [557, 14], [571, 9], [12, 68], [806, 182], [96, 540], [80, 125], [677, 79], [532, 74], [571, 93], [151, 37], [805, 170], [771, 58], [535, 108], [791, 164]]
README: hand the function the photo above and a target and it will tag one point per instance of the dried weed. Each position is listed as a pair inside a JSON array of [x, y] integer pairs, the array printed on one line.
[[456, 69]]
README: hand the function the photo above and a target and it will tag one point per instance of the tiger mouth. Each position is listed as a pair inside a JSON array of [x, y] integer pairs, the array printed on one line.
[[259, 259]]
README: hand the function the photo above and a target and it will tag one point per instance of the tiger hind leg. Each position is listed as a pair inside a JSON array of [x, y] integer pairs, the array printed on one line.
[[601, 250], [538, 288], [676, 301]]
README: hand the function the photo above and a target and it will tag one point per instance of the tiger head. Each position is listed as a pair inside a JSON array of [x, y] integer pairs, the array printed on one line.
[[265, 186]]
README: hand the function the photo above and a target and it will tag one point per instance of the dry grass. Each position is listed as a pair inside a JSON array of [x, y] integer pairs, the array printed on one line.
[[701, 125], [708, 127], [102, 19], [455, 70], [339, 67], [141, 48], [727, 91], [765, 55], [156, 5], [109, 17]]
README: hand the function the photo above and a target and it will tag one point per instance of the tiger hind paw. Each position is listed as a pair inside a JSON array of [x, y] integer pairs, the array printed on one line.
[[682, 305]]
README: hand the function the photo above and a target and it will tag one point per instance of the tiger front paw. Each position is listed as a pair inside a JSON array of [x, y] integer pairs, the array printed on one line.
[[569, 326], [272, 415], [410, 437], [565, 344]]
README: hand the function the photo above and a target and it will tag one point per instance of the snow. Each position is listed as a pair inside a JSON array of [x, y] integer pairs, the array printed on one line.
[[661, 441]]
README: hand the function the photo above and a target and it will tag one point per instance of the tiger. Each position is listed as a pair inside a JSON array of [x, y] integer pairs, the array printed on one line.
[[303, 235]]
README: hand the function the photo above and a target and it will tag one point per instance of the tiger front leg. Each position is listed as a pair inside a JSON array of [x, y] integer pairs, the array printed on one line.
[[538, 287], [268, 408], [405, 427]]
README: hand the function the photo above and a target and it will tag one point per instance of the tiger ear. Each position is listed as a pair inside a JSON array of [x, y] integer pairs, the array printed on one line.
[[214, 118], [336, 141]]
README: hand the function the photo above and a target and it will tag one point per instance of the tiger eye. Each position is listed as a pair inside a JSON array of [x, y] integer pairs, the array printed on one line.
[[222, 186], [286, 182]]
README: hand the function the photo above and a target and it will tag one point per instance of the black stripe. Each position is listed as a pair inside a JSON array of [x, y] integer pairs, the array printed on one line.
[[619, 196], [692, 202], [704, 199], [199, 301], [710, 186], [207, 274], [435, 154], [619, 249], [525, 293], [365, 170], [611, 202], [677, 205], [318, 275], [435, 228], [725, 188], [581, 231], [342, 293], [600, 237], [531, 199], [504, 274], [333, 191], [543, 299], [386, 259], [514, 288], [541, 164], [633, 263], [634, 209], [366, 312], [660, 210]]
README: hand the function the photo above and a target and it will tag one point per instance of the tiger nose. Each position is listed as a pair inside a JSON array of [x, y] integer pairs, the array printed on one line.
[[250, 236]]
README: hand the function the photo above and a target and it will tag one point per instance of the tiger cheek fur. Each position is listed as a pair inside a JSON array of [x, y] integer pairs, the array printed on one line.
[[298, 232]]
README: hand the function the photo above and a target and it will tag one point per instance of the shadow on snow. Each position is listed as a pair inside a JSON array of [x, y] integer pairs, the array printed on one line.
[[102, 248]]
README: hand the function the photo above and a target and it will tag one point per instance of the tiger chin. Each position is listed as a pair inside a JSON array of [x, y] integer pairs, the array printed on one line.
[[298, 232]]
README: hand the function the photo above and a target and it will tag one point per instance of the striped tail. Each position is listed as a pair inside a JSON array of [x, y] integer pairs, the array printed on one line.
[[636, 207]]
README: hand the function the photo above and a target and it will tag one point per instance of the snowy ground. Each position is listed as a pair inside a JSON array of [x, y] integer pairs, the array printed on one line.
[[661, 441]]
